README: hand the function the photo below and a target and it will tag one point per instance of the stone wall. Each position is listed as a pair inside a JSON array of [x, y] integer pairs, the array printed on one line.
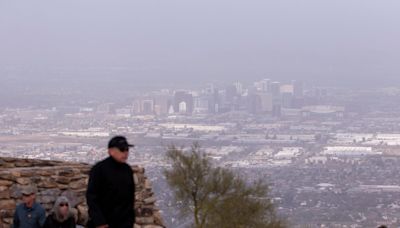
[[54, 178]]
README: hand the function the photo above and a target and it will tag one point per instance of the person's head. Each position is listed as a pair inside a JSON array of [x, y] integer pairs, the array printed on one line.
[[28, 196], [62, 209], [118, 149]]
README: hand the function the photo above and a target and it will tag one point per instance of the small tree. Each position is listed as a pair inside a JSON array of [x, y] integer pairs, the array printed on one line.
[[216, 197]]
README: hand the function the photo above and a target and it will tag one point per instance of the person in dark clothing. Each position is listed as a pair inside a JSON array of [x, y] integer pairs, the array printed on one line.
[[29, 214], [61, 215], [111, 190]]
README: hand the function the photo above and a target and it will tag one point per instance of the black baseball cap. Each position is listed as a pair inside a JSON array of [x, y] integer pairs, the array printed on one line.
[[119, 142]]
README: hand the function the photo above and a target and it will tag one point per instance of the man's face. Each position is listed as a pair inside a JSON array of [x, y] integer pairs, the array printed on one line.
[[28, 200], [120, 155]]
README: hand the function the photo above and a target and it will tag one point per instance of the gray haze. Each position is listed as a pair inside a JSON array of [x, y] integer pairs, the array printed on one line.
[[338, 42]]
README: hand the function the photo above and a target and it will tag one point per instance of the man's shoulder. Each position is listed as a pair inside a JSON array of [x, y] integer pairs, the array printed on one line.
[[100, 164], [19, 207], [128, 167]]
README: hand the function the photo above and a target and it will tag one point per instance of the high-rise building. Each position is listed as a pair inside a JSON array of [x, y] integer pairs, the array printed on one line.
[[297, 89], [287, 91], [201, 104], [265, 85], [147, 106], [182, 107], [183, 99], [287, 100], [276, 89], [256, 86], [266, 102], [210, 89], [136, 106], [298, 94], [276, 110], [162, 102], [287, 88], [230, 93], [254, 105], [214, 102], [239, 88]]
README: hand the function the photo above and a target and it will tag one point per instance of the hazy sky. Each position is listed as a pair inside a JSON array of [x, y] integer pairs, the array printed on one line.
[[336, 41]]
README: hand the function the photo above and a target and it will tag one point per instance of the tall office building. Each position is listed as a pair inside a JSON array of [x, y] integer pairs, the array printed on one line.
[[276, 110], [287, 91], [147, 106], [266, 101], [298, 89], [276, 89], [230, 94], [201, 104], [265, 85], [239, 88], [214, 102], [298, 94], [254, 105], [183, 100], [287, 100], [162, 103]]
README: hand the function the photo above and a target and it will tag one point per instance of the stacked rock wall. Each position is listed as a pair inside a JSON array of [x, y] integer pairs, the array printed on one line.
[[54, 178]]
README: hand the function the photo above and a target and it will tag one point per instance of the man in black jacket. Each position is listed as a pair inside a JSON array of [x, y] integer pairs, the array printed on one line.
[[111, 190]]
